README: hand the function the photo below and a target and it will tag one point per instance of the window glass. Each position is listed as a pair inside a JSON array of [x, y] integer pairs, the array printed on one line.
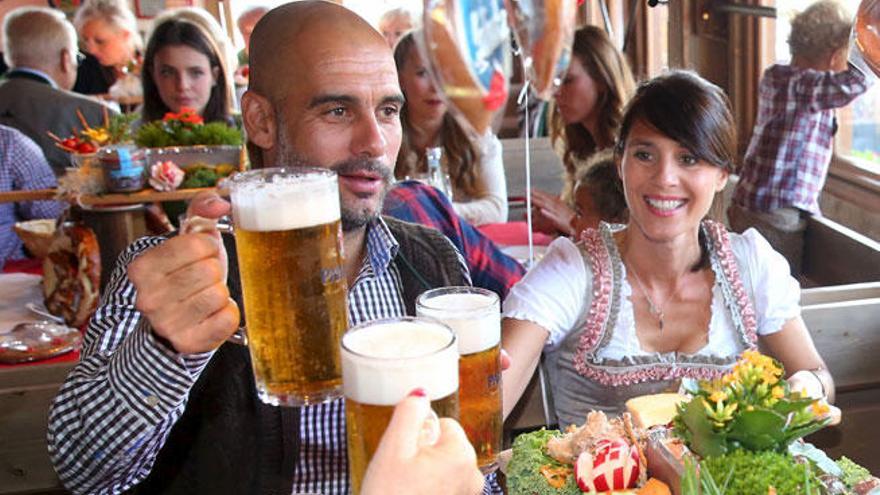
[[858, 135]]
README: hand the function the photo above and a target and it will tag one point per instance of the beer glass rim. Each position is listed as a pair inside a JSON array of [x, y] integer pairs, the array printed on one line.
[[248, 175], [425, 298], [453, 339]]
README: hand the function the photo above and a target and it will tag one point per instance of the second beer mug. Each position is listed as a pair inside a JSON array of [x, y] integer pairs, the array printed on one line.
[[289, 242], [475, 317], [382, 362]]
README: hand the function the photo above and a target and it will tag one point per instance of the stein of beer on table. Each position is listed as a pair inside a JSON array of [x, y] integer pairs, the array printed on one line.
[[289, 241], [474, 315], [382, 362]]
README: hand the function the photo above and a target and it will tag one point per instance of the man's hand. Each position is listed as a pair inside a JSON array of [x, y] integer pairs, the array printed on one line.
[[181, 285], [418, 455]]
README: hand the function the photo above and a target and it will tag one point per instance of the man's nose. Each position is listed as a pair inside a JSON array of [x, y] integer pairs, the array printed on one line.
[[369, 138]]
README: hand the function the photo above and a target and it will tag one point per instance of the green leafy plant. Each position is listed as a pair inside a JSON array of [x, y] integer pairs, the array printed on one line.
[[750, 408], [186, 128]]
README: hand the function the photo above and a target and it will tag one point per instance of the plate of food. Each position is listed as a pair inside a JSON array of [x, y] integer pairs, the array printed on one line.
[[34, 341], [604, 455], [738, 435]]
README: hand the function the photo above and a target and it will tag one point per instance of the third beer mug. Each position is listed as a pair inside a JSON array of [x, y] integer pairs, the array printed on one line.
[[289, 243], [382, 362], [474, 315]]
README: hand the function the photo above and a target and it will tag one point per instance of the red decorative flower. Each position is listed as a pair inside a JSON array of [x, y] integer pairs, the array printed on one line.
[[186, 115]]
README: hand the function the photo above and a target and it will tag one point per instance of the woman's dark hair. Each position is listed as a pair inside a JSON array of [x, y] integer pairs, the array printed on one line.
[[607, 67], [462, 155], [691, 111], [176, 32], [688, 109]]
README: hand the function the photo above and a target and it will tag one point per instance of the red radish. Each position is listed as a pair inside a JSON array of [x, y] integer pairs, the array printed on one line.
[[613, 465]]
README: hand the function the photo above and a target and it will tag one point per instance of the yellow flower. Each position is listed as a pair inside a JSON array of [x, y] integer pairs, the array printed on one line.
[[819, 408], [99, 135], [750, 408], [718, 396], [777, 392]]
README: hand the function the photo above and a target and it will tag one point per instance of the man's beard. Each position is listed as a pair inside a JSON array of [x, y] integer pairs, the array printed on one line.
[[352, 218]]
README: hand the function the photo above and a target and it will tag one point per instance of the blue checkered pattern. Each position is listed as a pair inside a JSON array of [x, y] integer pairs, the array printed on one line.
[[22, 167]]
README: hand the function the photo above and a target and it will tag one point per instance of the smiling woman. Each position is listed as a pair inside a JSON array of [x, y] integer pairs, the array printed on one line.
[[632, 309]]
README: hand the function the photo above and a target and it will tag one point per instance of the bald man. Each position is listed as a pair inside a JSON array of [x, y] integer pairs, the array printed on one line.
[[160, 403]]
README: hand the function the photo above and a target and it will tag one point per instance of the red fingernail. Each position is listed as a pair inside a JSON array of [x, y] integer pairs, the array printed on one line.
[[418, 392]]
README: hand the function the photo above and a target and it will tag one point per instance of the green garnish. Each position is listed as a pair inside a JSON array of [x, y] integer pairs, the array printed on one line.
[[524, 470], [853, 474]]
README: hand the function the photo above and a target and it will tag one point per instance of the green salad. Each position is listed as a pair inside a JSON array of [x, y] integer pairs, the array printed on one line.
[[524, 470]]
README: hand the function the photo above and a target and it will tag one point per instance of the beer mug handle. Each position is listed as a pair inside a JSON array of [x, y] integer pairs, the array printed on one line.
[[195, 223], [239, 337], [223, 225]]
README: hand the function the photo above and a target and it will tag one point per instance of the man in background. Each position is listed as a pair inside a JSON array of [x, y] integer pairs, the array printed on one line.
[[40, 47]]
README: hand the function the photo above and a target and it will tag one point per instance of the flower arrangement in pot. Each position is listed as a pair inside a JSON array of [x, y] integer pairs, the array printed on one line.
[[745, 432], [184, 151]]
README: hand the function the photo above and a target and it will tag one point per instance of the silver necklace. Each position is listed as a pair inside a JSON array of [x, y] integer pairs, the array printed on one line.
[[655, 309]]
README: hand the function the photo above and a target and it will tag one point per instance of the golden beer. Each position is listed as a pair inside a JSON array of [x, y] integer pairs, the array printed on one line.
[[288, 238], [474, 315], [384, 361]]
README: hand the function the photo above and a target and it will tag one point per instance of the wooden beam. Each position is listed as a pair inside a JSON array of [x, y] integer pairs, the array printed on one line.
[[835, 255]]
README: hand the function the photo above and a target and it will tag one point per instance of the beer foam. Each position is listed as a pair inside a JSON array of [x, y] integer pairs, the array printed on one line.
[[384, 362], [475, 318], [285, 203]]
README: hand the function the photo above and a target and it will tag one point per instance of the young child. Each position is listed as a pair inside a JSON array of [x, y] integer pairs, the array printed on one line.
[[787, 159], [598, 193]]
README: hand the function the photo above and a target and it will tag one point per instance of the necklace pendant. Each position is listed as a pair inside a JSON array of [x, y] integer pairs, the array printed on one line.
[[660, 320]]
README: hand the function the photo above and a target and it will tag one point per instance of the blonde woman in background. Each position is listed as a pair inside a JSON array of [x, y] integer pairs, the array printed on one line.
[[108, 31], [588, 110], [395, 23], [475, 167]]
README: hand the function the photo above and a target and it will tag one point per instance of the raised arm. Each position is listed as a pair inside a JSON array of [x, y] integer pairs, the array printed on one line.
[[164, 312]]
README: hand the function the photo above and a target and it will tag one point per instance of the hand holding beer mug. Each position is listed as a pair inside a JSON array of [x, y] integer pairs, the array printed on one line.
[[382, 362], [289, 242], [474, 315], [425, 456]]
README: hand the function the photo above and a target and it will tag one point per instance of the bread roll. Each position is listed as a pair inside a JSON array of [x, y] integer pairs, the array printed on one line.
[[653, 410], [72, 274]]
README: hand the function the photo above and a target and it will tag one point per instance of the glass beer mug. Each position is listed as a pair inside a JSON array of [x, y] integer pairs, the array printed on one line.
[[289, 242], [474, 315], [382, 361]]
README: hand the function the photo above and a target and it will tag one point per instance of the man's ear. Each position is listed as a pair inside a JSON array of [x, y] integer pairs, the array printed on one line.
[[66, 61], [258, 115]]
